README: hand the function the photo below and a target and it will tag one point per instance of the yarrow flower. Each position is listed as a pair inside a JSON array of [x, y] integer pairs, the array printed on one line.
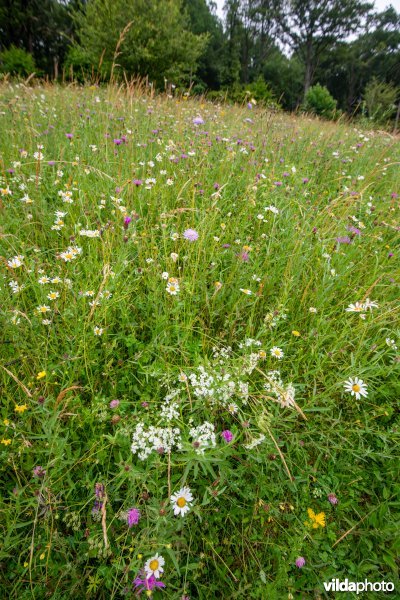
[[181, 501], [356, 387], [154, 566]]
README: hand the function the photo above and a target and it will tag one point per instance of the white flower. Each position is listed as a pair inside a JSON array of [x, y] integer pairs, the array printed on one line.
[[357, 307], [356, 387], [312, 309], [247, 292], [165, 275], [181, 501], [173, 286], [154, 566], [15, 262], [98, 330], [369, 304], [276, 352]]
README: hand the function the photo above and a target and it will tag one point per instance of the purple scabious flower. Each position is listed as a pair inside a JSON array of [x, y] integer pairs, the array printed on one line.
[[300, 562], [227, 435], [133, 516], [147, 584], [354, 230], [114, 403], [344, 239], [198, 121], [191, 235], [333, 499]]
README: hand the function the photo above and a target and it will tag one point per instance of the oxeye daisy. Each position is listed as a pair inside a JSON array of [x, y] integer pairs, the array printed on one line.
[[154, 566], [356, 387], [98, 330], [357, 307], [276, 352], [181, 501], [173, 286], [53, 295], [43, 309]]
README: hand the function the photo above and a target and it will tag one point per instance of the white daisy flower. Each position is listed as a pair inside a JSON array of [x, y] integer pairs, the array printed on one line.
[[181, 501], [369, 304], [173, 286], [276, 352], [98, 330], [357, 307], [356, 387], [154, 566]]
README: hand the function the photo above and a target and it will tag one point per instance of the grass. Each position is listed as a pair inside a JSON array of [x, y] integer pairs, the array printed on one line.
[[300, 213]]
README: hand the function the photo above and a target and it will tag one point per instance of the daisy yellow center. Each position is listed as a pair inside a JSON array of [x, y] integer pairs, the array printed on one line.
[[277, 352], [154, 564], [172, 288], [181, 502], [356, 387]]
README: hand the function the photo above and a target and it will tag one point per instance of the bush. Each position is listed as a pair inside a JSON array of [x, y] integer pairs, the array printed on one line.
[[380, 101], [16, 62], [78, 64], [319, 101]]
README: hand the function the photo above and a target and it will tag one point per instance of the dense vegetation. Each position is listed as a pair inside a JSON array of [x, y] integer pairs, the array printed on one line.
[[269, 51], [199, 360]]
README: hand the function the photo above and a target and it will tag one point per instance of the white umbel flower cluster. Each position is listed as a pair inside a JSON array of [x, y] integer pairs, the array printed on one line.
[[203, 437], [155, 439], [281, 393]]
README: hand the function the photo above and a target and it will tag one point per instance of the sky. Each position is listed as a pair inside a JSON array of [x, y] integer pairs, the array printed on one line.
[[379, 5]]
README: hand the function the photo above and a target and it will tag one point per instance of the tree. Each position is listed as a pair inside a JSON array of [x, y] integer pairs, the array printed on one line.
[[311, 26], [157, 40]]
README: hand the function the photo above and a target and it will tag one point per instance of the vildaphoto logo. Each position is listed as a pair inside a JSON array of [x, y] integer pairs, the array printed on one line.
[[335, 585]]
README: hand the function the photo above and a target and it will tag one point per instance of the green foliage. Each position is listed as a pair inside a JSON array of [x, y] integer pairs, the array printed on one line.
[[16, 62], [140, 38], [319, 101], [295, 222], [380, 101]]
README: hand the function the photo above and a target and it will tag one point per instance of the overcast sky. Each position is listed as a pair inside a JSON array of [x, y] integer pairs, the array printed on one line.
[[379, 4]]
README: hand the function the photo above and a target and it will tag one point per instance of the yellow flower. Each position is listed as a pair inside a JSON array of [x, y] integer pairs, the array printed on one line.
[[6, 422], [296, 333], [42, 556], [21, 408], [6, 442], [41, 375], [26, 564], [316, 520]]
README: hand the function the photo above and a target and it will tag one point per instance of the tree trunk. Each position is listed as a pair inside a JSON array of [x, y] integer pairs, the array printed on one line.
[[309, 67]]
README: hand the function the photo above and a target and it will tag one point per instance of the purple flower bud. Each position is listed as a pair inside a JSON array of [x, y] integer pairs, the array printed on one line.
[[69, 136], [300, 562], [39, 471], [227, 435], [127, 220], [114, 403], [333, 499], [133, 516]]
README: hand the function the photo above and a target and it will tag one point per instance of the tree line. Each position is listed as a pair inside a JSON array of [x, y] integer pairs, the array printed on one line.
[[271, 50]]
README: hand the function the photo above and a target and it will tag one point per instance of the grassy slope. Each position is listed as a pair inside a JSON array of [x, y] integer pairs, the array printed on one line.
[[247, 526]]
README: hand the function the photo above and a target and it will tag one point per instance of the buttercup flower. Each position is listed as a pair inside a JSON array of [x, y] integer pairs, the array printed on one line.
[[316, 520]]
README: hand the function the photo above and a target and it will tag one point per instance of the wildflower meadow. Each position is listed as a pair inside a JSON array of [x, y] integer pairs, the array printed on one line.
[[199, 358]]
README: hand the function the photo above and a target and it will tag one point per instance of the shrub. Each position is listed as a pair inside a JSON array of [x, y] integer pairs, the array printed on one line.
[[319, 101], [380, 100], [16, 62]]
